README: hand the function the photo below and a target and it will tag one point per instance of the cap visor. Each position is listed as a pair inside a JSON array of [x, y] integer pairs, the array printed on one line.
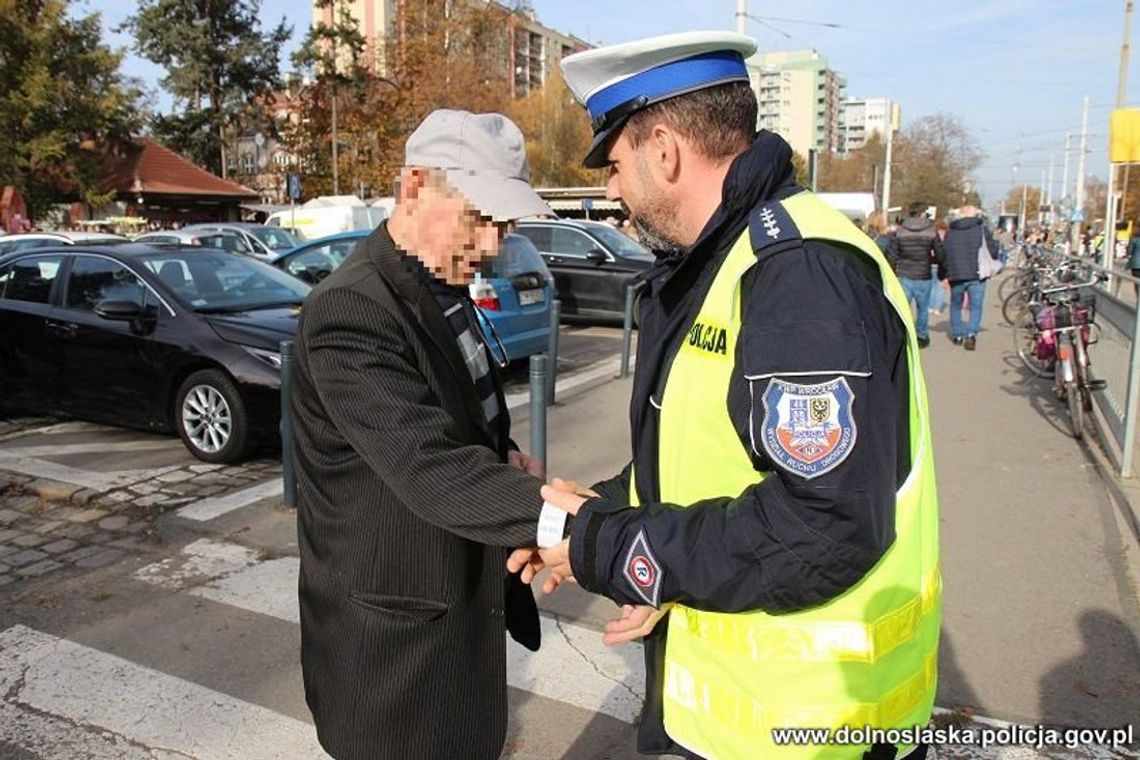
[[501, 198]]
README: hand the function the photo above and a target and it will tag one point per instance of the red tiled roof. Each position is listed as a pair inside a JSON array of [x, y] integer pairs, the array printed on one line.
[[147, 166]]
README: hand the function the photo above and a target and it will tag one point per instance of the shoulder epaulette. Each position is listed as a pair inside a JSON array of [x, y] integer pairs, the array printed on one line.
[[771, 229]]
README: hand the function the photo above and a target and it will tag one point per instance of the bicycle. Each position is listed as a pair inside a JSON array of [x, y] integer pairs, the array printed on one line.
[[1052, 340]]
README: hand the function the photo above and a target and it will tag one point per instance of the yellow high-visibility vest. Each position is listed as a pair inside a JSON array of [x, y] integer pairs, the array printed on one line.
[[865, 658]]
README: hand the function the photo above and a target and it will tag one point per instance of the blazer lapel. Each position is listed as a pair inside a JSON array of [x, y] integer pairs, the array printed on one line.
[[389, 260]]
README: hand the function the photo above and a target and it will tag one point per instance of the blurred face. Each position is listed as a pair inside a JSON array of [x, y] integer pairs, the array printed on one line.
[[650, 209], [453, 240]]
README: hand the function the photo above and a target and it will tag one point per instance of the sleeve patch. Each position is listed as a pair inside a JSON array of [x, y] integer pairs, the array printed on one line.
[[643, 571], [808, 430]]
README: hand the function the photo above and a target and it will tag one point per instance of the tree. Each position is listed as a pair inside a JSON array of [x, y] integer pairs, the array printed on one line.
[[854, 172], [558, 137], [333, 55], [217, 61], [62, 98], [800, 170], [932, 162], [1033, 198]]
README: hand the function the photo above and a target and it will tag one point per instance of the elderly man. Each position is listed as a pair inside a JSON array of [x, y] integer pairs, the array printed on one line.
[[775, 537], [410, 491]]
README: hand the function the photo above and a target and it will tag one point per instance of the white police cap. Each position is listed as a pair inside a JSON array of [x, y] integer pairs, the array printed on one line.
[[616, 81]]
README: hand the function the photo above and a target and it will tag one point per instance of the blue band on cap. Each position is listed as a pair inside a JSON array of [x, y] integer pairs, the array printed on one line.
[[670, 79]]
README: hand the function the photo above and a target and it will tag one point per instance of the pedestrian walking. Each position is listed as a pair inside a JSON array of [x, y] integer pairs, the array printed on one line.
[[913, 251], [781, 487], [409, 489], [963, 244], [1134, 261]]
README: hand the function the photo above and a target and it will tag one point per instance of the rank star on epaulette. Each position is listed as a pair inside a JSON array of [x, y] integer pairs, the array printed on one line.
[[808, 430]]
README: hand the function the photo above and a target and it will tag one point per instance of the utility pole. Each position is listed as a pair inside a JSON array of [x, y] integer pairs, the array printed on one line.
[[1065, 173], [1079, 205], [887, 166], [1041, 200], [1125, 45], [1049, 191], [1020, 221], [1122, 82], [741, 16]]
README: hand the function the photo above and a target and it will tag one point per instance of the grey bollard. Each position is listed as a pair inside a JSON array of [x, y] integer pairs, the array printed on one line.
[[538, 407], [552, 351], [627, 328], [289, 478]]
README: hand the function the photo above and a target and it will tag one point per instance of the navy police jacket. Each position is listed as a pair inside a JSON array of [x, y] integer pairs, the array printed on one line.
[[789, 542]]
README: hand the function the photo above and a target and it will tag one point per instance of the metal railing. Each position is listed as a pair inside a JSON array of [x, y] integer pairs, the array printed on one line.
[[1115, 359]]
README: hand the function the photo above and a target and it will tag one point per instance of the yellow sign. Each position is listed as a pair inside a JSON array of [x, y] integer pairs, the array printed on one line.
[[1124, 136]]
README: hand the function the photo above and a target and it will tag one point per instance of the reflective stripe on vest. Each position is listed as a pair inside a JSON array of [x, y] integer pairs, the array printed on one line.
[[866, 658]]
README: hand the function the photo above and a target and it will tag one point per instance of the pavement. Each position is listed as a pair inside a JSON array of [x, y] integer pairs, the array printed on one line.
[[185, 643]]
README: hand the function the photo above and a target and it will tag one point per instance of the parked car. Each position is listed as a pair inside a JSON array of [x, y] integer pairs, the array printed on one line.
[[26, 241], [515, 296], [592, 264], [264, 241], [155, 337], [226, 241], [315, 260]]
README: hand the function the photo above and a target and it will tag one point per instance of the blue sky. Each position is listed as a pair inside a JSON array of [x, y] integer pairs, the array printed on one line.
[[1015, 71]]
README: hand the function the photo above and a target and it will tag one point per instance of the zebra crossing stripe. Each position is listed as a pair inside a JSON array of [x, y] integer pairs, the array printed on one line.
[[573, 666], [62, 699]]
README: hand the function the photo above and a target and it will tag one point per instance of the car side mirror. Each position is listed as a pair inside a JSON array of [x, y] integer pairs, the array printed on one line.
[[119, 311], [596, 255]]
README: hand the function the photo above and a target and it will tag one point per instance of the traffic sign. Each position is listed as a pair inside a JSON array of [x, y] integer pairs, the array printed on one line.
[[295, 186], [1078, 215]]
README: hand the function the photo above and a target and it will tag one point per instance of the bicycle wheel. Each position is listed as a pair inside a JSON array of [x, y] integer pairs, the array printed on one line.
[[1012, 305], [1076, 409], [1011, 283], [1025, 344]]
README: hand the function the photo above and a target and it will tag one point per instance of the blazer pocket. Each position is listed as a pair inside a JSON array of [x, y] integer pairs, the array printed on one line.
[[406, 608]]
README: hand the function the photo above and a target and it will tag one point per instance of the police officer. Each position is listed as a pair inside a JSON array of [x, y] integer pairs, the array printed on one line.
[[776, 533]]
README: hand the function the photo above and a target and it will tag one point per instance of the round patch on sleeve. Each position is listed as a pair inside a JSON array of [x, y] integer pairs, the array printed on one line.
[[808, 430]]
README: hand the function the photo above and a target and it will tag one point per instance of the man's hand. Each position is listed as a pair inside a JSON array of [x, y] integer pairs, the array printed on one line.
[[527, 464], [636, 622]]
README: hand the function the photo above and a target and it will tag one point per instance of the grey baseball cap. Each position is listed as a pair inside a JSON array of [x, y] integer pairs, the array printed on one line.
[[483, 157]]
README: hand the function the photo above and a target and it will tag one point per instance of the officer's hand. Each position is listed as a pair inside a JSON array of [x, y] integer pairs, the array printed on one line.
[[560, 495], [570, 486], [636, 622], [527, 561], [557, 559]]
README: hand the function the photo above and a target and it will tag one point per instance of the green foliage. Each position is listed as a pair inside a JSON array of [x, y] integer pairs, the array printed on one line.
[[61, 95], [218, 64]]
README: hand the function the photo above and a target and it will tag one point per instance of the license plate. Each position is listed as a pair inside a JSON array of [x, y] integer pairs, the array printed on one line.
[[530, 297]]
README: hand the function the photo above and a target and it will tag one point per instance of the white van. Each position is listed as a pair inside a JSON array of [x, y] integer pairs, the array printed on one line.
[[316, 219]]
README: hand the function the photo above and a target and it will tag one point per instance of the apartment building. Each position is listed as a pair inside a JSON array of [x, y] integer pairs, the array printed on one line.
[[799, 98], [859, 118], [530, 51]]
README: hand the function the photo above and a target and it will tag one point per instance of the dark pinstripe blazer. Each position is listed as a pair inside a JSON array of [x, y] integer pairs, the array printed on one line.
[[405, 513]]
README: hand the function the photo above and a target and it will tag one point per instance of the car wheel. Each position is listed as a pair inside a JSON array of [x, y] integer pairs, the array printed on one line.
[[211, 417]]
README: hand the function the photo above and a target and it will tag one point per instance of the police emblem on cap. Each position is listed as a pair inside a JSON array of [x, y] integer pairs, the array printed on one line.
[[808, 430], [643, 571]]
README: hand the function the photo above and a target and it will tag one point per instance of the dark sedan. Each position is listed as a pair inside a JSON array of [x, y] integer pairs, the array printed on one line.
[[592, 264], [155, 337]]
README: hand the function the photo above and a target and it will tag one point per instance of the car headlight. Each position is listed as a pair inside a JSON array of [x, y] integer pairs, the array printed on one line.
[[272, 358]]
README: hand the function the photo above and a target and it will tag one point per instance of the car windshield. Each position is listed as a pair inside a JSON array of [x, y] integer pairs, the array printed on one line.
[[275, 238], [619, 242], [211, 281]]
